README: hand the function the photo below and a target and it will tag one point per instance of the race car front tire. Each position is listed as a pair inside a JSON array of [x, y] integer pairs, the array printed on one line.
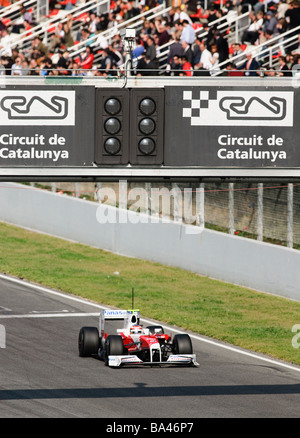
[[88, 341], [113, 347], [182, 344]]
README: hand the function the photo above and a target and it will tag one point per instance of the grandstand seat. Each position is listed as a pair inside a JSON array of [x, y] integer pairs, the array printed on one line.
[[276, 55], [243, 47], [53, 13], [65, 2], [235, 73], [82, 17], [198, 15], [197, 25], [51, 29], [6, 21], [6, 3]]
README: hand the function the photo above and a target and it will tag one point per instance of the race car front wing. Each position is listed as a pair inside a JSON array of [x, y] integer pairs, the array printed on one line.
[[173, 359]]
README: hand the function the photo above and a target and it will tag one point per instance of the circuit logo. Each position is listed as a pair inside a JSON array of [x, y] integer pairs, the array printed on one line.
[[18, 107], [238, 108], [52, 108]]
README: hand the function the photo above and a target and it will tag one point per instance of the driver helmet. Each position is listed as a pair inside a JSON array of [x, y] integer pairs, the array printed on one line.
[[136, 329]]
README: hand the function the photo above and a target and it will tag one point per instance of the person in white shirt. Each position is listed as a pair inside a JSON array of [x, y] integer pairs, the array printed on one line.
[[5, 44], [214, 59], [252, 33], [281, 9], [16, 68], [205, 58], [92, 22], [181, 15]]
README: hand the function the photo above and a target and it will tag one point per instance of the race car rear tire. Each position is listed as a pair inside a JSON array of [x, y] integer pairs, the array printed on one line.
[[182, 344], [113, 347], [152, 328], [88, 341]]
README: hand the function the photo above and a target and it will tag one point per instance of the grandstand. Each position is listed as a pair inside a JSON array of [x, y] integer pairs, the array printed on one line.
[[82, 37]]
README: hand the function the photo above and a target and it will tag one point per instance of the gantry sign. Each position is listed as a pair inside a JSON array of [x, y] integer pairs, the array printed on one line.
[[46, 126], [187, 129]]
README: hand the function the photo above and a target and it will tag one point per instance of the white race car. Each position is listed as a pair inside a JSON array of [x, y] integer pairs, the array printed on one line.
[[133, 344]]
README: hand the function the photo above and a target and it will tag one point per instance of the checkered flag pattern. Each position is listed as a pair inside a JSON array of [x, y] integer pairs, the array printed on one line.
[[194, 110]]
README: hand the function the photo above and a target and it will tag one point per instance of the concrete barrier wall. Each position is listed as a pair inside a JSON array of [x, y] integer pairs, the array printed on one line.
[[233, 259]]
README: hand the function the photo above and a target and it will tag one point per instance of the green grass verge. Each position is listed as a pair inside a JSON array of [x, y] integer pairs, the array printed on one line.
[[239, 316]]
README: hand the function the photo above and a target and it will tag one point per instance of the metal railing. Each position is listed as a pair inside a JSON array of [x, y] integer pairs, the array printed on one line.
[[108, 34], [228, 21], [276, 43], [220, 23], [46, 28], [13, 11]]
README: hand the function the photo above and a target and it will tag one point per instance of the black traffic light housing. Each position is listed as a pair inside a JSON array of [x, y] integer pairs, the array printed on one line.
[[112, 126], [146, 126]]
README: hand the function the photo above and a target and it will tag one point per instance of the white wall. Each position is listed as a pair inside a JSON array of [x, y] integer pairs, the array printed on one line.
[[234, 259]]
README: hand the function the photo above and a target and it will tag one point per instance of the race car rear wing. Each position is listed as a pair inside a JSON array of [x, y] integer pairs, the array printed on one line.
[[130, 317]]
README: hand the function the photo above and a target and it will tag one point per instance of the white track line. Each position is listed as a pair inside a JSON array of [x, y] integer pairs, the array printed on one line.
[[83, 301]]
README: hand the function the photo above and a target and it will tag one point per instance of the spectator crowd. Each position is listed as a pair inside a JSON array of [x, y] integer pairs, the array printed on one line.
[[198, 48]]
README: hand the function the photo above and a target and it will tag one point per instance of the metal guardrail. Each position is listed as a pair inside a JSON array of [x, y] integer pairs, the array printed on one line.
[[146, 81]]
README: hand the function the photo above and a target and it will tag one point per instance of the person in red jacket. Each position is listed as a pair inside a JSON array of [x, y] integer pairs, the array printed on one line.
[[86, 59], [187, 69]]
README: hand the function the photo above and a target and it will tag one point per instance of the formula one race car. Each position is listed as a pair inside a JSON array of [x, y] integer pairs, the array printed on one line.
[[133, 344]]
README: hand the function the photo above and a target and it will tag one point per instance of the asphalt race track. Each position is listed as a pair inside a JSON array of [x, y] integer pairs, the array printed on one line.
[[42, 376]]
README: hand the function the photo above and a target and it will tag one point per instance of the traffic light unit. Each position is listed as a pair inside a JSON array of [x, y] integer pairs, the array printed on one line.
[[112, 126], [129, 126], [147, 126]]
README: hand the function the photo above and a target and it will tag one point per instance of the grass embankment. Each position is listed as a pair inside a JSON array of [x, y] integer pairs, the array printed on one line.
[[243, 317]]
